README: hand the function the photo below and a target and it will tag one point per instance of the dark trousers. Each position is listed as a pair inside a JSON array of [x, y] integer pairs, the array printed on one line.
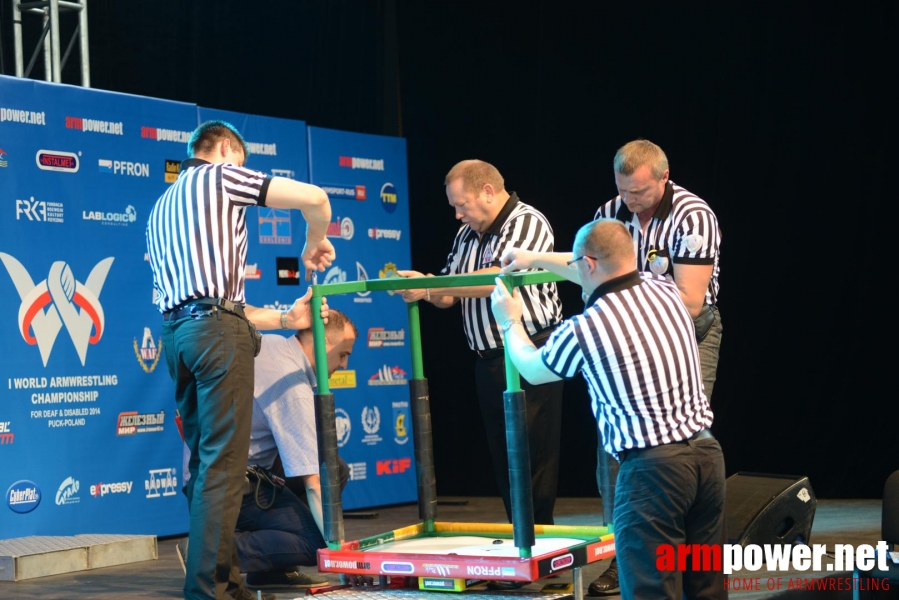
[[281, 537], [210, 360], [671, 494], [544, 406]]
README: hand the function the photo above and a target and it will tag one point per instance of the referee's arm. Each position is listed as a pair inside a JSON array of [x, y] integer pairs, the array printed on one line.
[[446, 297]]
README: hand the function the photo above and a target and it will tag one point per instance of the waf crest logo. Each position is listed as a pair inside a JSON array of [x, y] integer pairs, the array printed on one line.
[[148, 353], [57, 301]]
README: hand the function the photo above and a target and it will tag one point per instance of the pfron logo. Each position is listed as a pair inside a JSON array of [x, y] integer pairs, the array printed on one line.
[[148, 354], [388, 376], [343, 426], [394, 466], [59, 300], [124, 167], [342, 228], [388, 197], [3, 162], [274, 226], [23, 496], [369, 164], [56, 160], [6, 434], [66, 494], [161, 482], [371, 423], [388, 272], [39, 210]]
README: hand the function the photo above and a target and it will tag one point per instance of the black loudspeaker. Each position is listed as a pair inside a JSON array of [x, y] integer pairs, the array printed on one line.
[[769, 509]]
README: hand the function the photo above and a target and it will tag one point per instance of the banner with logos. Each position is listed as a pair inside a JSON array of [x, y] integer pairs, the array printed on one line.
[[88, 441], [365, 178]]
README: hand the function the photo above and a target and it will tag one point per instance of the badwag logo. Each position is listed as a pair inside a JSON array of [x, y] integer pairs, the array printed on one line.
[[369, 164], [123, 167], [134, 422], [56, 160], [342, 228], [6, 434], [371, 423], [59, 300], [42, 211], [388, 376], [23, 496], [111, 218], [161, 483], [148, 354], [67, 492]]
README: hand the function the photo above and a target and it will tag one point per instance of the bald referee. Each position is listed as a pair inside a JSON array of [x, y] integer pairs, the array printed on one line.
[[636, 346], [197, 244]]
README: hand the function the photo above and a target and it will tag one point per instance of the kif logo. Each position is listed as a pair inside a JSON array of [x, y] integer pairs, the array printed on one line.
[[59, 300], [342, 228], [40, 210], [148, 354], [162, 482], [3, 161], [394, 467], [6, 434], [56, 160], [388, 376]]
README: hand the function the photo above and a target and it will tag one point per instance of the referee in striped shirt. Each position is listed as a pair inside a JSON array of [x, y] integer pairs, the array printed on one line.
[[197, 244], [492, 221], [636, 345]]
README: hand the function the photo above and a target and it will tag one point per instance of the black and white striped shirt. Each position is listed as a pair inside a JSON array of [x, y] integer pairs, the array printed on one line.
[[682, 230], [517, 225], [197, 234], [637, 350]]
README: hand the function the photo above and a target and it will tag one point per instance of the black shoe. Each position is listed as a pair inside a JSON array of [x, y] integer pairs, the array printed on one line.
[[607, 583], [505, 585], [246, 594], [282, 579], [181, 551]]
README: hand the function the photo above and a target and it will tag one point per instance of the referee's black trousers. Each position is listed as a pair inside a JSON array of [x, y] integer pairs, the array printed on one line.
[[210, 359], [544, 406]]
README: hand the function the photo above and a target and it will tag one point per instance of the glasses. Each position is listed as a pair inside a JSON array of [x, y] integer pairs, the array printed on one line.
[[574, 260]]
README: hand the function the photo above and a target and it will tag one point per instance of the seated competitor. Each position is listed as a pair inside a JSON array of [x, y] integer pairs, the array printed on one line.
[[272, 541]]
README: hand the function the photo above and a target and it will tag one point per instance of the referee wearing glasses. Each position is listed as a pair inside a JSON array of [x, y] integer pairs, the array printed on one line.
[[197, 244], [636, 345]]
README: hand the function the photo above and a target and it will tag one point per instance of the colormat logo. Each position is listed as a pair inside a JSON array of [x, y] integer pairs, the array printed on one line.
[[57, 160], [59, 300]]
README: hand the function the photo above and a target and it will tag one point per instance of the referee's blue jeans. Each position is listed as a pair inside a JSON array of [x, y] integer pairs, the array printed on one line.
[[671, 494], [210, 360]]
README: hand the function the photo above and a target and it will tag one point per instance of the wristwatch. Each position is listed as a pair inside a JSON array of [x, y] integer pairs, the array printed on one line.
[[284, 320], [507, 325]]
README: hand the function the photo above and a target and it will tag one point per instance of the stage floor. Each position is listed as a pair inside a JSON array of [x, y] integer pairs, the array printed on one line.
[[836, 522]]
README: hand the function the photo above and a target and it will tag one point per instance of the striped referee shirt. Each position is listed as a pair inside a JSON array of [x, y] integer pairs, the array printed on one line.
[[517, 225], [637, 350], [197, 233], [682, 230]]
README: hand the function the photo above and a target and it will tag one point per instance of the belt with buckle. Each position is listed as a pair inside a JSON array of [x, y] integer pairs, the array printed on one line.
[[538, 339], [702, 434], [191, 307]]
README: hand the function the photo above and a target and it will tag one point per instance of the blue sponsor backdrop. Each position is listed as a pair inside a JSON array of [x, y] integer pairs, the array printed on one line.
[[87, 436]]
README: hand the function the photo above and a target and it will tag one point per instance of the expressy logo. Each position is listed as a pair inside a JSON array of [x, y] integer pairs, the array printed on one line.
[[371, 423], [57, 160], [23, 496], [161, 482], [393, 466], [133, 422], [388, 197], [3, 162], [101, 489], [342, 228], [6, 434], [123, 167], [369, 164], [59, 300], [66, 494], [111, 218], [388, 376], [400, 416], [172, 168], [378, 337], [274, 226], [384, 234], [343, 426], [148, 354], [388, 272], [39, 210]]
